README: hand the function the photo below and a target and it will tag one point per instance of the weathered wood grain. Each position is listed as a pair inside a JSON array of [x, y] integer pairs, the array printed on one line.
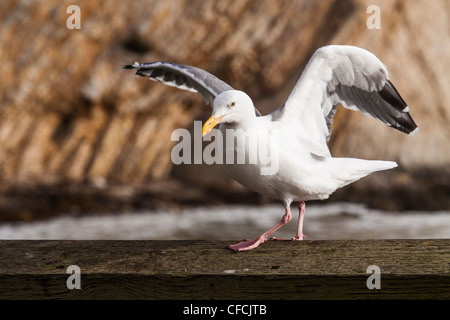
[[410, 269]]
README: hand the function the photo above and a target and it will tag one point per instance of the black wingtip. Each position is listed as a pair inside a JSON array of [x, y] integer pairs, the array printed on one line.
[[132, 66], [416, 130], [390, 94], [405, 122]]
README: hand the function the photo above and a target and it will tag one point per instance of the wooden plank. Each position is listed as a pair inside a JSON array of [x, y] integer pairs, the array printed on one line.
[[410, 269]]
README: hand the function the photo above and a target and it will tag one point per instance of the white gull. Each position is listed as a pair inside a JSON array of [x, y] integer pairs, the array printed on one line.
[[346, 75]]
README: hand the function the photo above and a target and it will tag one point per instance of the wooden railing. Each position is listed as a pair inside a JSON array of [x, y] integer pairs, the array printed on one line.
[[343, 269]]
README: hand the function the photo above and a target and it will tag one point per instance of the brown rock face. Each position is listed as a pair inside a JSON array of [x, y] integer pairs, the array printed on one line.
[[73, 123]]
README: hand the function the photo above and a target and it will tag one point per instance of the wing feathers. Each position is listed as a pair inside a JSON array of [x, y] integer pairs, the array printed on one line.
[[183, 77], [349, 76], [386, 105], [391, 95]]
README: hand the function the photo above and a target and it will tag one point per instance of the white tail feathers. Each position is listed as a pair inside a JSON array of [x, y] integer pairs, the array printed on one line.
[[348, 170], [370, 166]]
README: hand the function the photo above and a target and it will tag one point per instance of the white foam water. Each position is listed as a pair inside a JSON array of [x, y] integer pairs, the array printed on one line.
[[331, 221]]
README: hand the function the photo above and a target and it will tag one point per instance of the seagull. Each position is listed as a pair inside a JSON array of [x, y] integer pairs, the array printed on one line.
[[335, 75]]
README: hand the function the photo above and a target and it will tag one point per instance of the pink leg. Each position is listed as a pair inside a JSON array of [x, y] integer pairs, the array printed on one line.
[[251, 244], [301, 214]]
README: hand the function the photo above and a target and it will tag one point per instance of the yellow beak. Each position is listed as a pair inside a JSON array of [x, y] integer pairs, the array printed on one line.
[[210, 123]]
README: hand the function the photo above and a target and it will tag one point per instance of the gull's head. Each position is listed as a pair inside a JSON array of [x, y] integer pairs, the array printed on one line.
[[232, 106]]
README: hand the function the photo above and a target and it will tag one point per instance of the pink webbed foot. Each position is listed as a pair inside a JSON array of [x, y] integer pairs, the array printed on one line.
[[278, 239], [252, 244], [298, 237], [247, 244]]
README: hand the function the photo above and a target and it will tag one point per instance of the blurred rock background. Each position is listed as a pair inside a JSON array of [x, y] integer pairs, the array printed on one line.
[[79, 134]]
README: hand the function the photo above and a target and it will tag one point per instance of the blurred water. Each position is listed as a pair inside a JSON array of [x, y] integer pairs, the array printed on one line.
[[333, 221]]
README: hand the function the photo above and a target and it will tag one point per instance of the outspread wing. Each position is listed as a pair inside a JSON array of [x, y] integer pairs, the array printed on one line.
[[344, 75], [183, 77]]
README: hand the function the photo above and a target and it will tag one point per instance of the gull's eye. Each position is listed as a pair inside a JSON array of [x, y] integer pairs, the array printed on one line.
[[232, 104]]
